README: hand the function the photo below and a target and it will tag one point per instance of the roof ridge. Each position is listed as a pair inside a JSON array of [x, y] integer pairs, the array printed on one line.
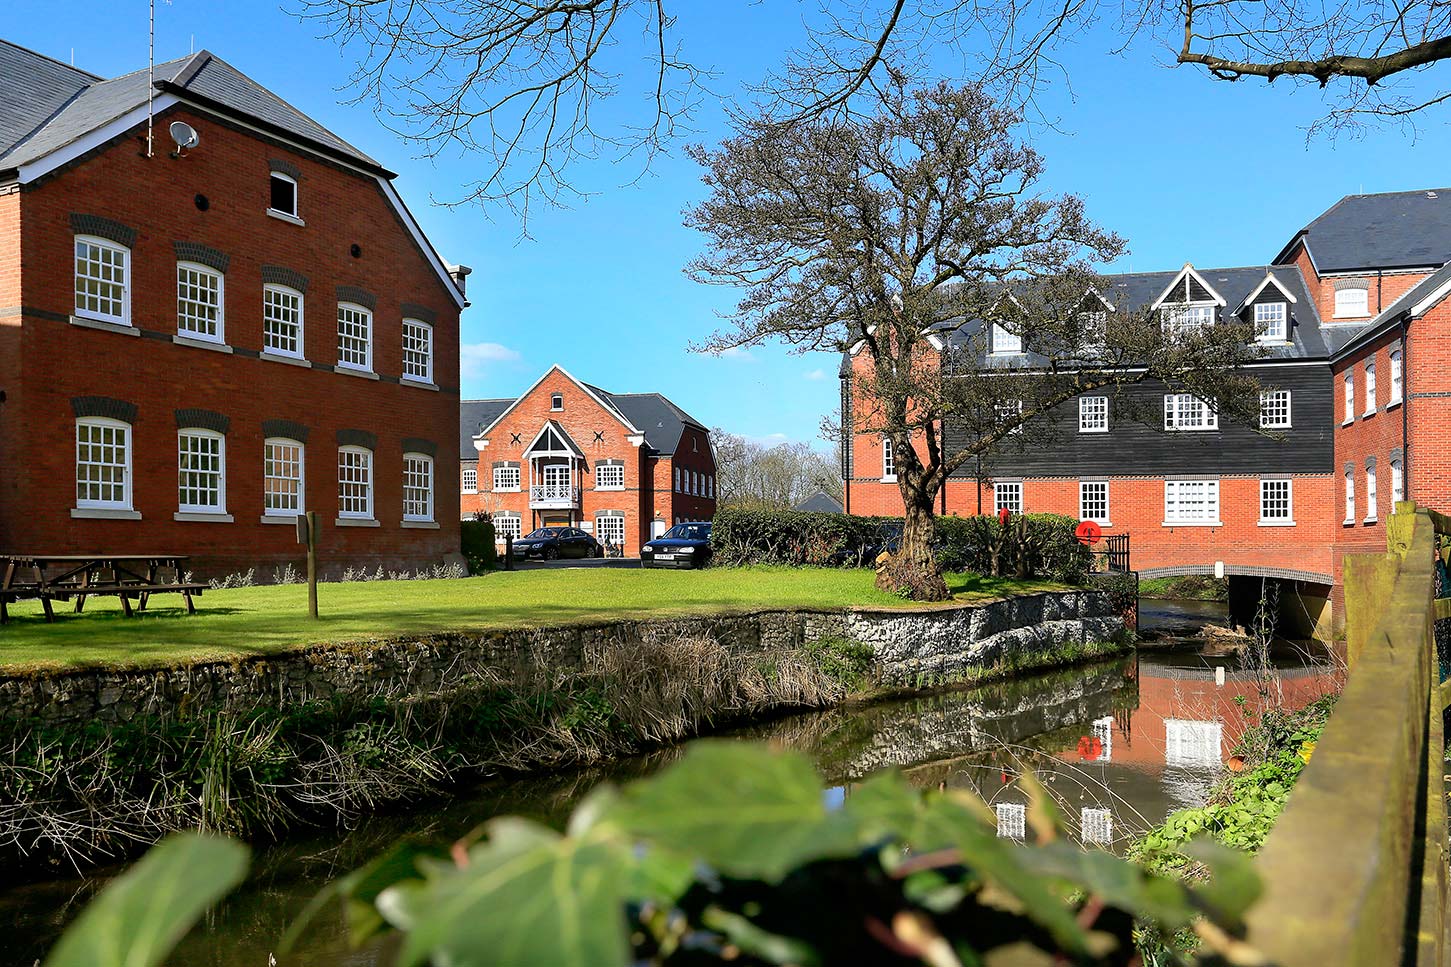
[[1267, 266], [53, 60]]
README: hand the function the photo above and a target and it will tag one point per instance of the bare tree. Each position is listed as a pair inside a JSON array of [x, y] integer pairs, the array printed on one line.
[[885, 235], [751, 475]]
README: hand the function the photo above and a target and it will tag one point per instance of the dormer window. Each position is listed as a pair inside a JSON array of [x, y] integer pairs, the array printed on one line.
[[1271, 322], [1005, 342], [1185, 319], [1352, 302], [284, 195], [556, 402]]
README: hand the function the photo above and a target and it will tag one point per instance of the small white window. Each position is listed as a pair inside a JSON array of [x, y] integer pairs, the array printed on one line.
[[1093, 501], [1007, 411], [506, 478], [282, 321], [556, 402], [1095, 826], [1192, 502], [1271, 322], [507, 525], [1277, 502], [609, 476], [1012, 820], [355, 482], [1008, 495], [1397, 377], [355, 337], [1275, 409], [471, 480], [201, 472], [610, 529], [417, 350], [1184, 411], [1369, 388], [1005, 341], [417, 487], [1349, 398], [1093, 414], [199, 302], [1352, 302], [1371, 511], [679, 476], [1093, 331], [283, 198], [103, 280], [889, 461], [282, 476], [103, 464], [1184, 320], [1398, 483], [1350, 495]]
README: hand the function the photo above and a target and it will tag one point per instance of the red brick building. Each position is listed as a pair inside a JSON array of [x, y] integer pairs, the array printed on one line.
[[624, 466], [199, 342], [1355, 327]]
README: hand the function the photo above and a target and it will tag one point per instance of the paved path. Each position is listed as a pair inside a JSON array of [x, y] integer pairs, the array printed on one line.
[[577, 562]]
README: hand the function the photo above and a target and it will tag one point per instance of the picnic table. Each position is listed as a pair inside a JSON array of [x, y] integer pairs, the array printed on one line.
[[60, 577]]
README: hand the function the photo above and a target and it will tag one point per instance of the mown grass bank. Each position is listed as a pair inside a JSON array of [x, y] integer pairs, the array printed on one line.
[[270, 620]]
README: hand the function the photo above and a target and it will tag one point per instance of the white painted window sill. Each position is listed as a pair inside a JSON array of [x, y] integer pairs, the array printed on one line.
[[891, 479], [1187, 429], [1192, 523], [1276, 523], [615, 490], [104, 513], [1272, 426], [423, 525], [418, 383], [104, 325], [469, 493], [195, 343], [354, 371], [1392, 404], [1349, 522], [356, 522], [272, 357], [1371, 520], [1347, 421], [507, 490], [1102, 429], [200, 518], [289, 519], [284, 217], [1367, 413]]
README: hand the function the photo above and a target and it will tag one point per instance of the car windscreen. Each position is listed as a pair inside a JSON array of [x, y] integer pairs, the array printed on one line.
[[689, 532], [542, 532]]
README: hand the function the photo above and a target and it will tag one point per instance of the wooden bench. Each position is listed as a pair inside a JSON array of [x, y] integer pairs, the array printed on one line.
[[50, 577], [127, 591]]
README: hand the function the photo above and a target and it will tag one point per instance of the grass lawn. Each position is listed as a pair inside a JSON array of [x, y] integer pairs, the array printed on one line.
[[267, 620]]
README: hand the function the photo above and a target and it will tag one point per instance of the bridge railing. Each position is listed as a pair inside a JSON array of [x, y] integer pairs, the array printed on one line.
[[1355, 869]]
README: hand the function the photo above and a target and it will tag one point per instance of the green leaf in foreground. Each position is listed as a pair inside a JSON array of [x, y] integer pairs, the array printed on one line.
[[142, 914]]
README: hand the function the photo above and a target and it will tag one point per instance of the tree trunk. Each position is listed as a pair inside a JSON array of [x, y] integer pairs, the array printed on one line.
[[912, 571]]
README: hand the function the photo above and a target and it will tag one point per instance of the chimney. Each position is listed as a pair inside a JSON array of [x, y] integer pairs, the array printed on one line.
[[460, 274]]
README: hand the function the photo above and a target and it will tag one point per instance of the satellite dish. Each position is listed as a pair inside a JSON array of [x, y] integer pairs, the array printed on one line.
[[185, 137]]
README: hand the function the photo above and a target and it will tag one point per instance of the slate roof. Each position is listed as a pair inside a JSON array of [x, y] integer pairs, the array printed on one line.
[[49, 105], [474, 415], [820, 502], [1399, 229], [1135, 291]]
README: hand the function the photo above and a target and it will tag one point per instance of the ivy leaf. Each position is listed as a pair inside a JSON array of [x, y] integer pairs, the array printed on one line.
[[526, 896], [144, 912]]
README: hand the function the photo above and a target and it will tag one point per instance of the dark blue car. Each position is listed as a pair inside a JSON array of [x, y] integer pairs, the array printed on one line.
[[684, 545]]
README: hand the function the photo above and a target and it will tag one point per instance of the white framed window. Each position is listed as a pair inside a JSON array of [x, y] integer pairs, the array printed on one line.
[[556, 402], [283, 194], [1008, 410], [1272, 322], [506, 479], [103, 464], [1185, 411], [1350, 495], [1093, 331], [1093, 501], [1093, 414], [1397, 377], [1398, 483], [679, 476], [355, 482], [1183, 320], [1277, 505], [1005, 342], [610, 475], [1349, 398], [1352, 302], [1192, 502], [610, 529], [355, 337], [1012, 820], [199, 302], [417, 350], [201, 472], [417, 486], [1371, 510], [471, 480], [507, 525], [283, 466], [1275, 410], [1095, 825], [282, 320], [1369, 388], [1193, 744], [889, 461], [103, 280], [1008, 495]]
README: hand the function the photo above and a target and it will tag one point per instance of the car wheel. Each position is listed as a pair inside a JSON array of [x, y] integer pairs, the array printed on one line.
[[551, 553]]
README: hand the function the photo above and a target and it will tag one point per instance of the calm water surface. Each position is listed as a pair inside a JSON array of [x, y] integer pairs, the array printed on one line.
[[1120, 744]]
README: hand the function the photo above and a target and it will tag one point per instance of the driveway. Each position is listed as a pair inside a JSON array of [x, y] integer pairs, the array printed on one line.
[[617, 562]]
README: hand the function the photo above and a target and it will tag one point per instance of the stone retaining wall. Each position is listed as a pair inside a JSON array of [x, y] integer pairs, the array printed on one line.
[[911, 647]]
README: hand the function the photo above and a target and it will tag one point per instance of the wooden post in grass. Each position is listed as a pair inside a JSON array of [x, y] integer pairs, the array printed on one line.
[[307, 535]]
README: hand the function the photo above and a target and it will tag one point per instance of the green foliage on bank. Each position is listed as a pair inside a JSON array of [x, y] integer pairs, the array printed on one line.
[[1195, 587], [734, 854]]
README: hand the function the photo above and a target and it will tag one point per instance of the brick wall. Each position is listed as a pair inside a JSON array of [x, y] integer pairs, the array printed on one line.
[[12, 419], [1382, 288], [157, 198]]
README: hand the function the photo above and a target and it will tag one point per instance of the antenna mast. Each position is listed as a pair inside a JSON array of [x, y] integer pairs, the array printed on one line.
[[150, 84]]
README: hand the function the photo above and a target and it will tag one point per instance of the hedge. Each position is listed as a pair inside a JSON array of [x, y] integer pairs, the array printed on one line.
[[477, 544], [1029, 545]]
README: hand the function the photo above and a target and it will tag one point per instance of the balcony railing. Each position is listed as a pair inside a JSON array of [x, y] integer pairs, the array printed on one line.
[[553, 495]]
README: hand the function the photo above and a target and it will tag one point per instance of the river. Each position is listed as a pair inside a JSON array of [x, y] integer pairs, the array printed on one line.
[[1120, 744]]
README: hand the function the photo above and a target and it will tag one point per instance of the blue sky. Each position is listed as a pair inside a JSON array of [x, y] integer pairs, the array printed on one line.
[[1187, 169]]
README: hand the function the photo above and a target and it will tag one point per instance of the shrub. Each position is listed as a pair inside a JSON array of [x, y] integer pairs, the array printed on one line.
[[795, 537], [477, 544]]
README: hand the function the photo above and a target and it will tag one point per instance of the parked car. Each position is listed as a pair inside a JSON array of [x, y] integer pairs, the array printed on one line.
[[684, 545], [551, 543]]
